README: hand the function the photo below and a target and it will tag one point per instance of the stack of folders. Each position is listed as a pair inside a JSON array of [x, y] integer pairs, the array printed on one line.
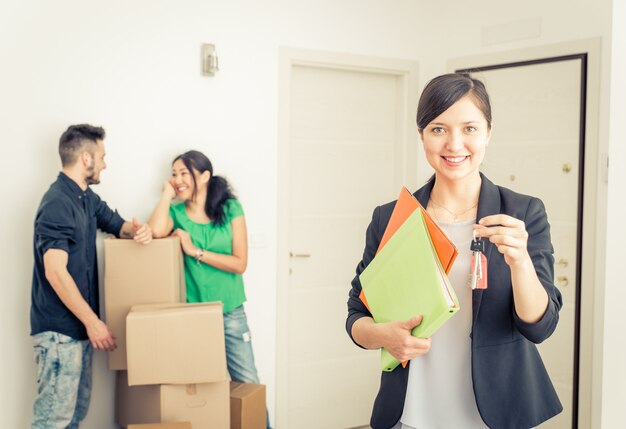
[[408, 276]]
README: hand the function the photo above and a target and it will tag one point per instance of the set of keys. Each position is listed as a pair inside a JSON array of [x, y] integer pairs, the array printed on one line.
[[478, 266]]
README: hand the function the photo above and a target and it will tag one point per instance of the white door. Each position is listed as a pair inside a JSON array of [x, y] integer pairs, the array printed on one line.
[[349, 148], [535, 149]]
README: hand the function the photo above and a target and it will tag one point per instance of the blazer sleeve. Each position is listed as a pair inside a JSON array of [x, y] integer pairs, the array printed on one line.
[[356, 308], [541, 252]]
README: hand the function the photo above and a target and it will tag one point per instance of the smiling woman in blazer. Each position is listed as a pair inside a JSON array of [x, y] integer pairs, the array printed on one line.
[[482, 368]]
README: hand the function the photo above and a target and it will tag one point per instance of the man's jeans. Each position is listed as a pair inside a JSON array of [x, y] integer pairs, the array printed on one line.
[[63, 380], [239, 355]]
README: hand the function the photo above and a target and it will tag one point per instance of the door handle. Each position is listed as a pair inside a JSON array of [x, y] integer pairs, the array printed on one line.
[[562, 280], [299, 255], [563, 262]]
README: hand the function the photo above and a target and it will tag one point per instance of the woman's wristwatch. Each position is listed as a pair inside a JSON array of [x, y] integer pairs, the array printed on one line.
[[199, 254]]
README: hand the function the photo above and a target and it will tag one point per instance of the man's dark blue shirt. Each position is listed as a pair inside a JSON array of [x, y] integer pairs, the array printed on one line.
[[67, 219]]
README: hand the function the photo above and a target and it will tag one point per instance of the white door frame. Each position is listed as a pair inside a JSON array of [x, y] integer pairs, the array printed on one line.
[[594, 207], [288, 57]]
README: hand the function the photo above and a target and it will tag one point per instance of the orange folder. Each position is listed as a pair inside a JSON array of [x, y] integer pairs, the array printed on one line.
[[407, 204]]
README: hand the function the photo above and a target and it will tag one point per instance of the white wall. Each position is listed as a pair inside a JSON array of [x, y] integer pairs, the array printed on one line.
[[613, 373], [447, 35], [133, 67]]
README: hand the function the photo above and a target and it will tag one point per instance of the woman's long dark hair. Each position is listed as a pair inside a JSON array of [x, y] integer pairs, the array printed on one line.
[[445, 90], [219, 190]]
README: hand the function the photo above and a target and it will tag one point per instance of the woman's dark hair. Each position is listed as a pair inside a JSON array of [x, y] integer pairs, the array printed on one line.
[[219, 190], [445, 90]]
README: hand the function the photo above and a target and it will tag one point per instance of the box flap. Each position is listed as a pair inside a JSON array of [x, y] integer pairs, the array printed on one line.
[[206, 405], [247, 406], [175, 306], [176, 344], [243, 390]]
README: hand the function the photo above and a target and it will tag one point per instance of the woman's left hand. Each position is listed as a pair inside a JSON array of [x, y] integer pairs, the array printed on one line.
[[185, 241], [509, 235]]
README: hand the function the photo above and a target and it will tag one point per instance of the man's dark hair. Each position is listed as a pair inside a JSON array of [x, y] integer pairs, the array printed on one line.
[[74, 139]]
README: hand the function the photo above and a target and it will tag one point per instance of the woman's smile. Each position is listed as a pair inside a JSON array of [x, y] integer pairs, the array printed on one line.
[[455, 161]]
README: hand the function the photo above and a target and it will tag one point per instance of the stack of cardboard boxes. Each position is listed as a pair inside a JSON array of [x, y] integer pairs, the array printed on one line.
[[171, 358]]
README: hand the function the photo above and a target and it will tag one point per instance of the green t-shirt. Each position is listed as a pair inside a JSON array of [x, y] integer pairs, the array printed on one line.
[[204, 282]]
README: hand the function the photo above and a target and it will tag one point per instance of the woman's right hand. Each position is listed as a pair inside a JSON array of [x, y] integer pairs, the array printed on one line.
[[398, 341], [168, 190]]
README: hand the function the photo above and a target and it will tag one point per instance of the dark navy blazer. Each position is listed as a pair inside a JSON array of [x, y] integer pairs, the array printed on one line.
[[511, 385]]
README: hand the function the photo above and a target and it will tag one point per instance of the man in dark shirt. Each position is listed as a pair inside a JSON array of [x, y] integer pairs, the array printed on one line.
[[64, 315]]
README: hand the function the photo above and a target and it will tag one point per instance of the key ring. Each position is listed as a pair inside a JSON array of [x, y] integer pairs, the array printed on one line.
[[478, 265]]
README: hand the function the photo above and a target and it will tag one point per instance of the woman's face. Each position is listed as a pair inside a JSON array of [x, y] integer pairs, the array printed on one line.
[[182, 181], [455, 141]]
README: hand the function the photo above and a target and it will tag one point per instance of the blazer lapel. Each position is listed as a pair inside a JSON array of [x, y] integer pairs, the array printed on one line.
[[488, 204], [423, 193]]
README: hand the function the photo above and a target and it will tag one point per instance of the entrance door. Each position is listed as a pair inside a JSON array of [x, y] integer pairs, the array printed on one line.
[[345, 147], [537, 148]]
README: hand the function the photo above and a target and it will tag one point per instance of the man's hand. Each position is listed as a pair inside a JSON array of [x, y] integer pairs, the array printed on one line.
[[101, 336], [55, 263], [142, 233]]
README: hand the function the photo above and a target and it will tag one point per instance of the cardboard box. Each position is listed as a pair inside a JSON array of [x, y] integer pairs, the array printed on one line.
[[203, 405], [247, 406], [176, 344], [181, 425], [139, 274]]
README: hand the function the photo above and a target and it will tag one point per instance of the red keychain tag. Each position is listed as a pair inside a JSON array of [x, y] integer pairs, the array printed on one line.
[[478, 265]]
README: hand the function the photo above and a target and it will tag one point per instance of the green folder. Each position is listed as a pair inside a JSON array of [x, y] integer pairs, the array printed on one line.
[[406, 279]]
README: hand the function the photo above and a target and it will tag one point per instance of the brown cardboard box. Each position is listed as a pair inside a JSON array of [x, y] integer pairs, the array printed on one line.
[[181, 425], [176, 344], [204, 405], [139, 274], [247, 406]]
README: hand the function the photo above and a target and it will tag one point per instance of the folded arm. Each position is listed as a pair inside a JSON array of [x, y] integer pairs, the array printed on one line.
[[235, 263], [160, 222]]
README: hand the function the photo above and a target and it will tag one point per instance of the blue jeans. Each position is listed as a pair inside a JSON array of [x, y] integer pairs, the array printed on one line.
[[239, 354], [63, 380]]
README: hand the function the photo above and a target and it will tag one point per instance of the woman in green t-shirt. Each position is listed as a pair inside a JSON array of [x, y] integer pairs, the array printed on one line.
[[212, 230]]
